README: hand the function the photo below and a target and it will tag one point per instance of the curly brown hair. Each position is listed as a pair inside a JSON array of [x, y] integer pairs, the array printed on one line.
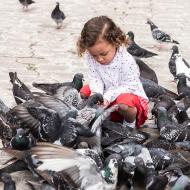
[[100, 27]]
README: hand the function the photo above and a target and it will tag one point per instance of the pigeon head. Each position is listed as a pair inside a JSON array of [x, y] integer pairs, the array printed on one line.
[[78, 80], [175, 49], [139, 161], [118, 157], [110, 171], [131, 35], [20, 141], [95, 98], [152, 25], [57, 3], [181, 76], [5, 177], [149, 21]]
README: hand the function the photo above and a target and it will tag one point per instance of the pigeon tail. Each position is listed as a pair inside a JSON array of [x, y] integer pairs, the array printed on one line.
[[175, 42]]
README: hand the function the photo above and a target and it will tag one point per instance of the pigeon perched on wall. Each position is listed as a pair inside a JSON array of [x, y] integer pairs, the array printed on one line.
[[58, 16], [26, 3], [159, 35], [135, 49]]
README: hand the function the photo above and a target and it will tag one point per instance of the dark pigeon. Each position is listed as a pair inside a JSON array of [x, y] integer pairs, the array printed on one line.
[[162, 101], [9, 184], [169, 130], [58, 16], [26, 3], [153, 90], [135, 49], [20, 91], [145, 71], [182, 88], [22, 140]]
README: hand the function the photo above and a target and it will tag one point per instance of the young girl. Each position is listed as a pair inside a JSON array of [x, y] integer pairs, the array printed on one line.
[[113, 71]]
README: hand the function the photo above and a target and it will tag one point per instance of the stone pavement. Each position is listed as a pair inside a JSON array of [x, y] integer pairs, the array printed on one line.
[[31, 45]]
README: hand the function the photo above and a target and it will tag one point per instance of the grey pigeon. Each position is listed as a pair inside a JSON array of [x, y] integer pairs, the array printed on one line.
[[160, 35], [135, 49], [58, 16], [9, 184], [26, 3], [66, 91], [79, 170], [145, 71]]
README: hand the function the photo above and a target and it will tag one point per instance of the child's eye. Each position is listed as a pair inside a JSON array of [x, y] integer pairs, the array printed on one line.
[[103, 54]]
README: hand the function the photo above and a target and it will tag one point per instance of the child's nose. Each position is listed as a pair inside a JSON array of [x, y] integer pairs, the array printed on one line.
[[99, 59]]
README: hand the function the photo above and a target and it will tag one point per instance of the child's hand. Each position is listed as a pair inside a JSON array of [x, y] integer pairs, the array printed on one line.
[[106, 103]]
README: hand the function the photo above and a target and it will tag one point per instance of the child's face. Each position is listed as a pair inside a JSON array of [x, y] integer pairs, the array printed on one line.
[[103, 52]]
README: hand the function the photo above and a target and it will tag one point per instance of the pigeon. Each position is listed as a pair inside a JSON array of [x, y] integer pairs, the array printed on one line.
[[20, 91], [182, 88], [171, 131], [160, 35], [22, 140], [153, 90], [58, 16], [26, 3], [162, 101], [67, 91], [135, 49], [160, 143], [172, 61], [140, 176], [182, 67], [161, 158], [87, 114], [78, 170], [7, 131], [145, 71], [177, 64], [9, 184], [44, 185], [42, 122], [17, 165]]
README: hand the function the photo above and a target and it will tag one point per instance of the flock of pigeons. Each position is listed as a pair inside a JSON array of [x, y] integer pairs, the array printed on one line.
[[68, 142], [57, 15]]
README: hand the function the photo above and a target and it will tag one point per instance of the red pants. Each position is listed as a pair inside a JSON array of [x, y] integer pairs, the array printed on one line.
[[130, 100]]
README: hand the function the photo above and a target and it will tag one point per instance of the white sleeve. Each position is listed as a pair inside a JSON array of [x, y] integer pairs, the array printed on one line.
[[95, 82]]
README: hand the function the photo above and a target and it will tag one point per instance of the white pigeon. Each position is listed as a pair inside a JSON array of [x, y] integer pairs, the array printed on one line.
[[182, 66]]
